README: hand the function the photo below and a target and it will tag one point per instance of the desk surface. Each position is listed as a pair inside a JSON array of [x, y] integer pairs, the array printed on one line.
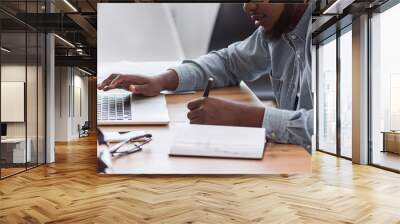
[[154, 159], [13, 140], [391, 132]]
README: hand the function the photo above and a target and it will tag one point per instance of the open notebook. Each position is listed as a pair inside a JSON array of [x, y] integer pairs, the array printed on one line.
[[219, 141]]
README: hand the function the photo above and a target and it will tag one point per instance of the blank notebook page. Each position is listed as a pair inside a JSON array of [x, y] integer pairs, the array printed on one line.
[[219, 141]]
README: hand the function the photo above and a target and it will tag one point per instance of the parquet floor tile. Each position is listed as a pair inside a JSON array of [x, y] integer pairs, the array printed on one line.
[[70, 191]]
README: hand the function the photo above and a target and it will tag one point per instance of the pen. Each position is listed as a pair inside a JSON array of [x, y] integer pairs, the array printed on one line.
[[208, 87]]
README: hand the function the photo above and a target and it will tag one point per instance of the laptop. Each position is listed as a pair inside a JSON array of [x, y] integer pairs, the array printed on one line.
[[120, 107]]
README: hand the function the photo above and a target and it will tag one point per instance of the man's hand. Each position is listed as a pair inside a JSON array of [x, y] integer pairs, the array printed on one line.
[[216, 111], [137, 84], [140, 84]]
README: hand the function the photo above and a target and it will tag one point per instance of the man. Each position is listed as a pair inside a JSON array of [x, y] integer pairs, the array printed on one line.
[[279, 48]]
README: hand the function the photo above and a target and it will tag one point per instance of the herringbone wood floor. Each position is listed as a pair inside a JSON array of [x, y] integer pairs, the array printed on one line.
[[70, 191]]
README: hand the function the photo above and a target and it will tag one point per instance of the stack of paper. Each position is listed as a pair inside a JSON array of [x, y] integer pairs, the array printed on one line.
[[219, 141]]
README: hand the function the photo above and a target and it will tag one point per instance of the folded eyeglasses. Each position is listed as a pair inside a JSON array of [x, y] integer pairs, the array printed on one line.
[[120, 149]]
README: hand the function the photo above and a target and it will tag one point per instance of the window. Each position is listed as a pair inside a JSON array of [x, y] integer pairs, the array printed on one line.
[[346, 93], [385, 89], [334, 106], [22, 76], [327, 96]]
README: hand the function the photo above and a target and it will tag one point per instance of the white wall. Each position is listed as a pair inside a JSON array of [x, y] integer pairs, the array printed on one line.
[[194, 23], [153, 32], [69, 82], [62, 81], [13, 101], [14, 72], [80, 103], [33, 127], [136, 32]]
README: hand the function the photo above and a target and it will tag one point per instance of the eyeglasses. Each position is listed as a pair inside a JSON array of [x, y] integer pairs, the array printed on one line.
[[120, 149]]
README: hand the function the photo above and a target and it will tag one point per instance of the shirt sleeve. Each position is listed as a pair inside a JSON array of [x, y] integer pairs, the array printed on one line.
[[293, 127], [244, 60]]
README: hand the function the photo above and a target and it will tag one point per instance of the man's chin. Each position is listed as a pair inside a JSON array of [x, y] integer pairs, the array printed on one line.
[[270, 32], [267, 29]]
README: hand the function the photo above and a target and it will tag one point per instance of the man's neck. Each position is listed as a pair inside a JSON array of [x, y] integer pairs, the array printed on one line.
[[288, 20]]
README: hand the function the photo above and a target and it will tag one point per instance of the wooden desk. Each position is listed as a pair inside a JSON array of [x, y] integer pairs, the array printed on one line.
[[154, 159], [391, 141], [14, 152]]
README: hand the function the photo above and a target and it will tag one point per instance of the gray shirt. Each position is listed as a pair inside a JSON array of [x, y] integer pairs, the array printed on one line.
[[286, 60]]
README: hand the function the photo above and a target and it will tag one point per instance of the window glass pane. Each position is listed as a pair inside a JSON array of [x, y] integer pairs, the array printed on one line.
[[346, 94], [31, 97], [32, 86], [385, 84], [327, 97], [41, 97], [23, 89], [13, 85]]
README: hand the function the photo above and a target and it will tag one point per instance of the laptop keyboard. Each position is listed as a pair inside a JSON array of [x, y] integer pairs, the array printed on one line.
[[114, 107]]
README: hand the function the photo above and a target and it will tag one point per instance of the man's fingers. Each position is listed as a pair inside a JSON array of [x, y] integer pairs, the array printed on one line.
[[122, 81], [192, 105], [116, 83], [139, 89], [107, 81], [197, 121], [194, 114]]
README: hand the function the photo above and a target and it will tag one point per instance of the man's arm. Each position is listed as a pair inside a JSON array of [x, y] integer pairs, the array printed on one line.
[[282, 126], [245, 60], [294, 127], [217, 111]]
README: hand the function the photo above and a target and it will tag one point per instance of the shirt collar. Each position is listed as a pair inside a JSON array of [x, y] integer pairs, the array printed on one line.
[[302, 28], [300, 31]]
